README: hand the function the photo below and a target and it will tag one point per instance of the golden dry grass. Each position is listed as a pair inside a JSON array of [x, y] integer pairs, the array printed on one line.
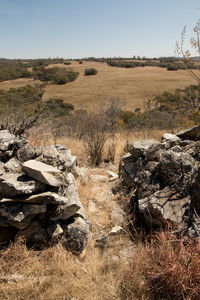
[[133, 86], [55, 274]]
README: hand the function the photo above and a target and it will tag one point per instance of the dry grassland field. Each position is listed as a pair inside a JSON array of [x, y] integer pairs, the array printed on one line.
[[133, 86]]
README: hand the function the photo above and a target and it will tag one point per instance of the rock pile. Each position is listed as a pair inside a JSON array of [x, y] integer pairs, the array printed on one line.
[[165, 177], [38, 195]]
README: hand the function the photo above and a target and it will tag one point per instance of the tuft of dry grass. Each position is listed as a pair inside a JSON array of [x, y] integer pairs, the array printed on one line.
[[55, 274]]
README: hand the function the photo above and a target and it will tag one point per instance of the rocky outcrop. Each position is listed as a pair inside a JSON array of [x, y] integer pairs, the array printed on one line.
[[165, 179], [38, 195]]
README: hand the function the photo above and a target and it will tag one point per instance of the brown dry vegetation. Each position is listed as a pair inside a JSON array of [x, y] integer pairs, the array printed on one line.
[[134, 86]]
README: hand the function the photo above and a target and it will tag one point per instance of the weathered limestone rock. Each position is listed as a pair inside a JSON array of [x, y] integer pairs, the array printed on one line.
[[112, 176], [41, 204], [76, 236], [46, 198], [42, 172], [138, 148], [20, 141], [190, 134], [171, 161], [65, 211], [98, 178], [26, 152], [70, 191], [13, 165], [170, 138], [20, 215], [6, 140], [165, 179], [15, 184], [58, 156], [163, 205], [153, 152]]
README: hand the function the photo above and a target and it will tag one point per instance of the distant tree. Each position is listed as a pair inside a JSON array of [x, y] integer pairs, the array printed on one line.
[[90, 71]]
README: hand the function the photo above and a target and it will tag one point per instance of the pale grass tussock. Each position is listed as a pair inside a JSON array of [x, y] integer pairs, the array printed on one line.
[[64, 275]]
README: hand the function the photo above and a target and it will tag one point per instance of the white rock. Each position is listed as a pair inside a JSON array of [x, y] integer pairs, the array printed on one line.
[[116, 230]]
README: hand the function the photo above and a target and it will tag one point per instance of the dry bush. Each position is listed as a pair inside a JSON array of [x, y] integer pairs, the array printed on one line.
[[169, 268], [95, 136]]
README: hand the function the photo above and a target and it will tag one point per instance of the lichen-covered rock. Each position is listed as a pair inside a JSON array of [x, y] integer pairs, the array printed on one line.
[[58, 156], [76, 236]]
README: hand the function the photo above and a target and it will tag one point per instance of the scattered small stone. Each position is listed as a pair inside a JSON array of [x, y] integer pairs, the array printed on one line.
[[112, 176], [117, 230]]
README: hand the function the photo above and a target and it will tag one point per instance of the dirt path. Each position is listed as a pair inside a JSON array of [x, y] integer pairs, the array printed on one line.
[[105, 213]]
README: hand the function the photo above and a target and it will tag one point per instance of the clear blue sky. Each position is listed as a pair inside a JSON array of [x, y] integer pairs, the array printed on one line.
[[83, 28]]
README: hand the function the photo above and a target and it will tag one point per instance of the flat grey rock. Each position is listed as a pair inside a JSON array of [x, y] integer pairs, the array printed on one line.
[[138, 148], [21, 215], [42, 172], [42, 198], [164, 205], [170, 138], [192, 133], [14, 184]]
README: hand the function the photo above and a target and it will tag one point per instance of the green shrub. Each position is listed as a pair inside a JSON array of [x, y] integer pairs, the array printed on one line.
[[58, 107], [90, 71], [55, 75], [10, 70], [172, 68], [67, 63]]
